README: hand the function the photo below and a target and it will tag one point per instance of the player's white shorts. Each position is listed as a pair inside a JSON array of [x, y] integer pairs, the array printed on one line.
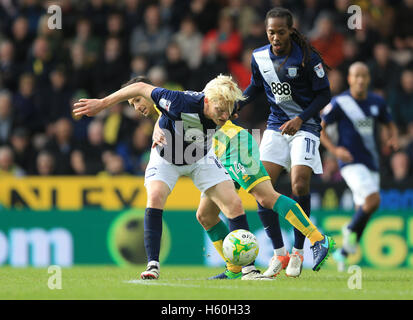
[[205, 173], [361, 180], [289, 151]]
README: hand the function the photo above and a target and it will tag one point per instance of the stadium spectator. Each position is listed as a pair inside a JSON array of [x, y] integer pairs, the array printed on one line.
[[53, 37], [85, 37], [244, 15], [340, 15], [80, 71], [401, 99], [32, 10], [40, 62], [328, 41], [45, 164], [384, 71], [135, 152], [400, 165], [132, 12], [350, 55], [256, 36], [114, 166], [382, 18], [21, 38], [307, 15], [241, 70], [111, 70], [7, 121], [189, 40], [94, 148], [337, 83], [77, 162], [24, 153], [97, 11], [139, 66], [24, 104], [7, 165], [9, 70], [365, 38], [61, 145], [226, 38], [116, 126], [151, 37], [204, 13], [170, 12], [115, 29], [404, 31], [177, 71], [59, 96], [158, 76]]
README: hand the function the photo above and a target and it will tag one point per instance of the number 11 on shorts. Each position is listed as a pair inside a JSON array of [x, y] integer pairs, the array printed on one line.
[[310, 142]]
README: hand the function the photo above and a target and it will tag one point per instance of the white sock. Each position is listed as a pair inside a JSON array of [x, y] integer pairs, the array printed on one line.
[[280, 251], [300, 251], [154, 263]]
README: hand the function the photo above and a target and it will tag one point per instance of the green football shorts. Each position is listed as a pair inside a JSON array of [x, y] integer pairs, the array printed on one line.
[[242, 161]]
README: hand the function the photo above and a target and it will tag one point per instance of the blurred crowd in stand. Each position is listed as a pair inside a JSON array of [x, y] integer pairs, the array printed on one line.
[[179, 45]]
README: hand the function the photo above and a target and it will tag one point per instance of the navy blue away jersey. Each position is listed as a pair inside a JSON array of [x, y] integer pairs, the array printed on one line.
[[357, 125], [289, 87], [187, 130]]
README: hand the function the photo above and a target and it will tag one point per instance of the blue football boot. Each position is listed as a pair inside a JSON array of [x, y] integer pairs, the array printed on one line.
[[321, 250]]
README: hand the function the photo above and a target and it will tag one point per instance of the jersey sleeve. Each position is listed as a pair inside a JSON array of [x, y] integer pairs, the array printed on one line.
[[168, 100], [384, 113], [331, 113], [256, 78], [317, 74]]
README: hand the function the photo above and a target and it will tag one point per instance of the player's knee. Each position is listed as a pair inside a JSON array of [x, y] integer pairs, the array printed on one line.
[[266, 202], [300, 187], [234, 207], [372, 203], [156, 198]]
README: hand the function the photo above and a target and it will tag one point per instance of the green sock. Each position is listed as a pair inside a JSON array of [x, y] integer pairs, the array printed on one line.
[[294, 214], [217, 235]]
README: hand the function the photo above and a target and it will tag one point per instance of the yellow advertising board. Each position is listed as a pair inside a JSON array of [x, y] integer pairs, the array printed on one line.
[[109, 193]]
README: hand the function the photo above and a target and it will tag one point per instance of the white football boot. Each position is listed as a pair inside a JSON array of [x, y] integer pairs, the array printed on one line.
[[251, 273], [277, 263], [295, 265], [152, 271]]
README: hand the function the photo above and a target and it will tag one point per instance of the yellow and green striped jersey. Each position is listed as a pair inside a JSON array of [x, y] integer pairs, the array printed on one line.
[[223, 136]]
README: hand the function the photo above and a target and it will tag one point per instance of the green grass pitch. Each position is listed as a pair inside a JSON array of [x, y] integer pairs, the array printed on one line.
[[189, 283]]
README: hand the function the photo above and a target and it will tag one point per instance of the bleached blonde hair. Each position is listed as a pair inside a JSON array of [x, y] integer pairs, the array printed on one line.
[[223, 90]]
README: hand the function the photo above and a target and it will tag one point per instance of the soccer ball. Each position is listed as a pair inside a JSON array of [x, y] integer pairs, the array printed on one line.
[[240, 247]]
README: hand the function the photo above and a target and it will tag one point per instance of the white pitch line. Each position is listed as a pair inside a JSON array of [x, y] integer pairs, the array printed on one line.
[[232, 287]]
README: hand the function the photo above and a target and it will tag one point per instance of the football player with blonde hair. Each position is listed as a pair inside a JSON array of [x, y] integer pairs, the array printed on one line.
[[189, 120]]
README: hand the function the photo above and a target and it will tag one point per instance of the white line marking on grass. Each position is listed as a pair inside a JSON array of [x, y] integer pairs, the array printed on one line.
[[158, 283]]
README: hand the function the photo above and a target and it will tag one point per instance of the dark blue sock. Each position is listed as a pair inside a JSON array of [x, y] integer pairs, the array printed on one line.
[[358, 222], [305, 203], [271, 224], [239, 222], [152, 233]]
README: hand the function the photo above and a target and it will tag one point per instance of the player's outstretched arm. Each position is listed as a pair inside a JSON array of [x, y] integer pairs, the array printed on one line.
[[91, 107]]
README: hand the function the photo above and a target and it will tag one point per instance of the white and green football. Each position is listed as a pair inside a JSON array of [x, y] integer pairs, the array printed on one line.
[[240, 247]]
